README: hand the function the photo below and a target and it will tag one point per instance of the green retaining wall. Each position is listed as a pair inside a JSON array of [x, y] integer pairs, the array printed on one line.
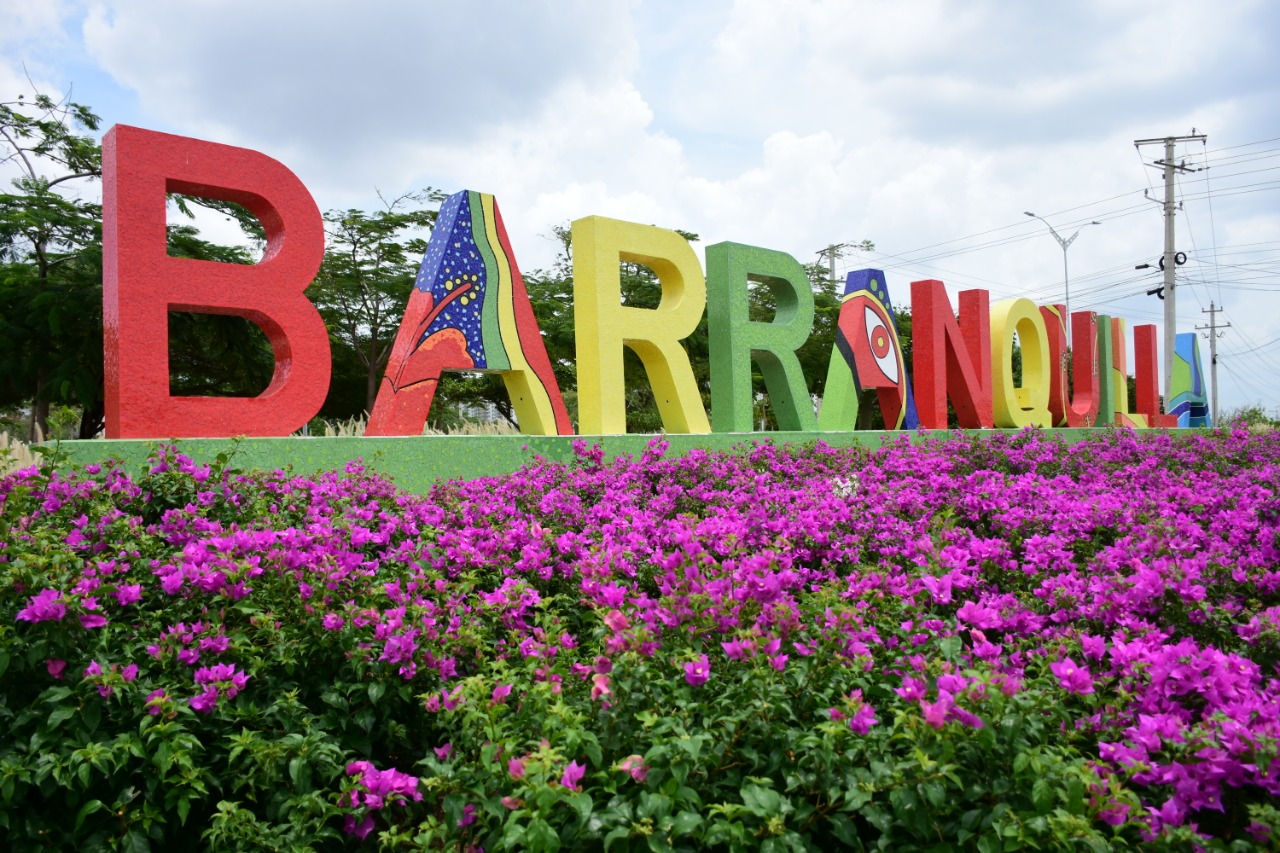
[[417, 462]]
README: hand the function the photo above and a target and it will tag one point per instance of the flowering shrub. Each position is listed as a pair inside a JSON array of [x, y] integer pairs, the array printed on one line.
[[988, 643]]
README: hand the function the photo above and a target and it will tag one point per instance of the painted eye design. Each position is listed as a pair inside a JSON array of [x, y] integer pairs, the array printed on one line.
[[879, 337]]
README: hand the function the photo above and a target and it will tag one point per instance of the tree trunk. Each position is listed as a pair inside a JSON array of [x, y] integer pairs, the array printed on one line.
[[38, 426], [92, 420]]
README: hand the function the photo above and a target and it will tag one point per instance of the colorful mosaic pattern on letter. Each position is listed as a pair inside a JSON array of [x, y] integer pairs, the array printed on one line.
[[468, 310], [867, 337]]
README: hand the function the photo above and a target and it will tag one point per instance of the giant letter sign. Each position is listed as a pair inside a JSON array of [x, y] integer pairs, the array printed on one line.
[[1190, 404], [1081, 410], [952, 359], [867, 355], [1027, 405], [603, 325], [142, 284], [468, 310], [733, 338], [1145, 369]]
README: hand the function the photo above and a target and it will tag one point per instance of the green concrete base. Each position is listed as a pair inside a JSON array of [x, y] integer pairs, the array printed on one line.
[[415, 463]]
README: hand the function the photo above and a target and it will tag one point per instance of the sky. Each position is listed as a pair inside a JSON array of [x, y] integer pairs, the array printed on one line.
[[926, 126]]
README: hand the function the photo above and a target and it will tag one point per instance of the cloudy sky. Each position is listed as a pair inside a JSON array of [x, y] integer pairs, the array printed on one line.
[[927, 126]]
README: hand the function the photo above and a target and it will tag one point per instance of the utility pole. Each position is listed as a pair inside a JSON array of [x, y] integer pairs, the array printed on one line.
[[1213, 336], [832, 252], [1170, 303], [837, 250]]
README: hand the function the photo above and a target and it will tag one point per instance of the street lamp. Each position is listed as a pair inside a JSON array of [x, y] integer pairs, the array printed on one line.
[[1065, 244]]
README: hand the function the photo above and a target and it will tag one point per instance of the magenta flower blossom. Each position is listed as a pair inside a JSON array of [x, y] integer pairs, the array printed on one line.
[[127, 594], [46, 606], [92, 620], [1072, 677], [500, 694], [913, 689], [697, 671], [573, 775], [443, 752], [515, 767], [56, 667], [616, 621], [634, 766], [205, 702], [156, 700], [468, 816]]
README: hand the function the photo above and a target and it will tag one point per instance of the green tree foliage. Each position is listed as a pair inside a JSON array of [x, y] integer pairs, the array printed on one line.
[[214, 355], [50, 261]]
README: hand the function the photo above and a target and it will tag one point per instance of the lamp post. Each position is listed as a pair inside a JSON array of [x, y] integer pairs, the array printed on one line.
[[1065, 244]]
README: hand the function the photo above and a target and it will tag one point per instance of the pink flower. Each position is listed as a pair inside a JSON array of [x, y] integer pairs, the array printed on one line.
[[206, 701], [912, 689], [468, 815], [862, 720], [128, 593], [360, 830], [863, 716], [515, 766], [634, 766], [500, 693], [46, 606], [697, 671], [89, 621], [333, 622], [443, 752], [55, 667], [616, 621], [155, 700], [600, 686], [935, 713], [94, 668], [778, 662], [1072, 677], [130, 672], [573, 775], [512, 803]]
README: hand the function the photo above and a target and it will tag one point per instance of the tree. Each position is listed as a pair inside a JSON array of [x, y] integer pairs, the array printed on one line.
[[50, 261], [369, 267]]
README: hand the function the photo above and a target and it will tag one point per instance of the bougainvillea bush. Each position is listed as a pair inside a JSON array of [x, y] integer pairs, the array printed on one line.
[[994, 643]]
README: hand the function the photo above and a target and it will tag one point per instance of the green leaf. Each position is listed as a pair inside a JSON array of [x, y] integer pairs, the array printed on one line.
[[184, 809], [88, 809], [686, 822], [622, 833], [654, 806], [59, 715], [1042, 795], [581, 804], [136, 842], [90, 716], [763, 802], [541, 836]]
